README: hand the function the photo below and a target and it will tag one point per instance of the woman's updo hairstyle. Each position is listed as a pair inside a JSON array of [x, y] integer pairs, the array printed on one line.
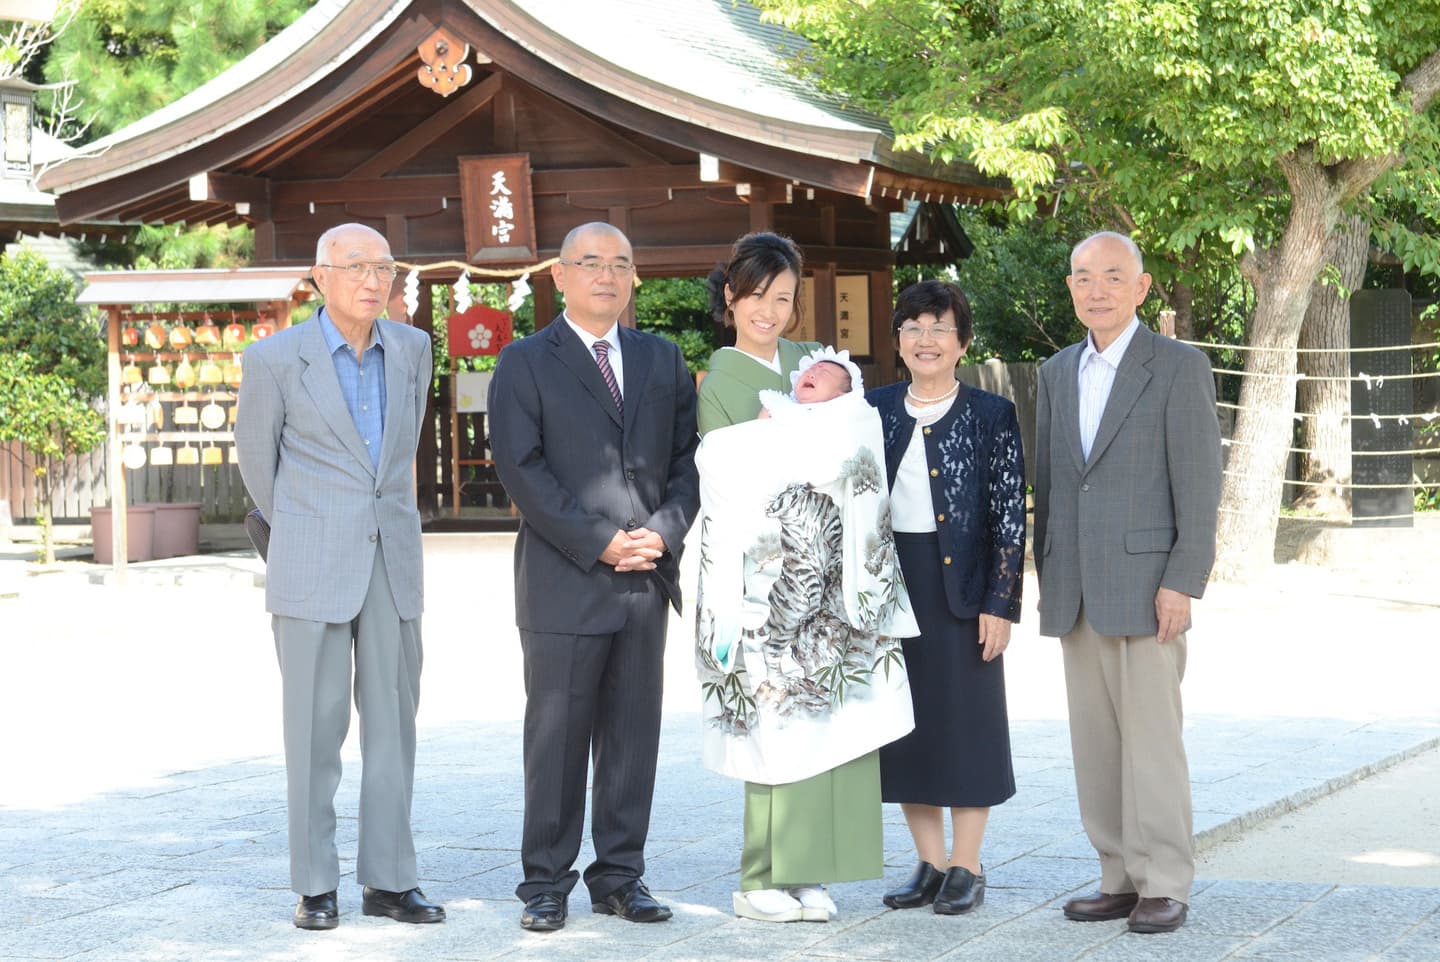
[[755, 260], [935, 297]]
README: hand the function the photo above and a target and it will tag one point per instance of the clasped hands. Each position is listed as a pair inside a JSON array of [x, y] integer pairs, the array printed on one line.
[[634, 550]]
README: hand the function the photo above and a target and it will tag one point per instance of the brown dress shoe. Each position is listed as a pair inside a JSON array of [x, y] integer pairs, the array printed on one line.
[[1101, 907], [1157, 915]]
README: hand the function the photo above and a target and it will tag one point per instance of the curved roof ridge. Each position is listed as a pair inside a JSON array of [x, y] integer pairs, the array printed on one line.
[[268, 57]]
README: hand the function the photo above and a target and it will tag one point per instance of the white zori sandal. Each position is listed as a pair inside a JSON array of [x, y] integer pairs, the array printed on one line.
[[767, 905], [815, 903]]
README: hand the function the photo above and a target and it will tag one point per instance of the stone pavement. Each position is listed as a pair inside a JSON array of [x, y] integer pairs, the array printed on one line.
[[142, 796]]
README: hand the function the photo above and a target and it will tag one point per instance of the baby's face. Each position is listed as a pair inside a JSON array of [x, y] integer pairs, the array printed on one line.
[[821, 382]]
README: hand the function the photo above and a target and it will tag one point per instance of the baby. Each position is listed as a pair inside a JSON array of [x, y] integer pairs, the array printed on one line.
[[824, 375]]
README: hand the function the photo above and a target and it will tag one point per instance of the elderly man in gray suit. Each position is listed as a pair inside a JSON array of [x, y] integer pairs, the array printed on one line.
[[1127, 487], [330, 415], [593, 429]]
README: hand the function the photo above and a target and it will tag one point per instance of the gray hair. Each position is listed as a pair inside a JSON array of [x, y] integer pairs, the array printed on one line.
[[322, 246], [1109, 235]]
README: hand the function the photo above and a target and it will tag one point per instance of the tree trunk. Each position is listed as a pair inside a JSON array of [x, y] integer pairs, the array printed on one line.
[[1282, 278], [1182, 302], [1324, 404]]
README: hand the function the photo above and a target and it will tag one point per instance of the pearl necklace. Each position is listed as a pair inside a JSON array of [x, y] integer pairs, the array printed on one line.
[[910, 393]]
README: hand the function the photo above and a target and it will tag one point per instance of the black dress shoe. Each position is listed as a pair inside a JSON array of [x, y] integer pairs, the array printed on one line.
[[961, 891], [633, 903], [918, 890], [545, 912], [411, 906], [317, 912]]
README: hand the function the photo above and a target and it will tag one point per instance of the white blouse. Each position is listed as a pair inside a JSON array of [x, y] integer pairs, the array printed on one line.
[[911, 507]]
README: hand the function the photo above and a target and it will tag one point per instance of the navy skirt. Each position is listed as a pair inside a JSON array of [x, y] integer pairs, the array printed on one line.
[[958, 756]]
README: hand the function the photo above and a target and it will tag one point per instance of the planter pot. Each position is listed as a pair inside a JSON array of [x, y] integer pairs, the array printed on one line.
[[177, 529], [139, 530]]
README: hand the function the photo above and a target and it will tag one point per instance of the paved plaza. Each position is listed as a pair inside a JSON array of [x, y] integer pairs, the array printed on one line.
[[142, 809]]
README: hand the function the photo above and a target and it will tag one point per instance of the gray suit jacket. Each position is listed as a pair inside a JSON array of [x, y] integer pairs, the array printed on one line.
[[1140, 514], [308, 472]]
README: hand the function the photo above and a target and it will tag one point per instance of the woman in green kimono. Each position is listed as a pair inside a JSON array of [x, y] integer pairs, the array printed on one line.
[[826, 828], [755, 293]]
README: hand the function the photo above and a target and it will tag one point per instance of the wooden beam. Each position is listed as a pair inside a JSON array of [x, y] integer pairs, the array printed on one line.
[[628, 199], [226, 188], [431, 129], [625, 150], [301, 192], [502, 124], [762, 215], [824, 305], [882, 338]]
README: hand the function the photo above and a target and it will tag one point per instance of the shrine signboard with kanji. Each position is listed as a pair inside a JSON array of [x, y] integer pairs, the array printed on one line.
[[498, 208]]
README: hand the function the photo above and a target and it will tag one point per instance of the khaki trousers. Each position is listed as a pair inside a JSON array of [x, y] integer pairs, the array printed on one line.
[[1131, 775]]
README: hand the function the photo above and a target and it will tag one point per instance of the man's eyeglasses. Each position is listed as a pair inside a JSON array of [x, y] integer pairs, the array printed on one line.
[[596, 268], [358, 272], [911, 332]]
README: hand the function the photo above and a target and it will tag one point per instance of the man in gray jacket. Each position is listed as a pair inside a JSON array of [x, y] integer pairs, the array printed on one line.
[[1127, 488], [330, 415]]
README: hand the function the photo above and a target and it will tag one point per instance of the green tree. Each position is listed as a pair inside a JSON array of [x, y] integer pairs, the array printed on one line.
[[1248, 123], [43, 412], [129, 58], [39, 318]]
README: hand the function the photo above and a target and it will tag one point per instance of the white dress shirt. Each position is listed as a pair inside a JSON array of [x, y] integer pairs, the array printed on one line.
[[612, 337], [1097, 377]]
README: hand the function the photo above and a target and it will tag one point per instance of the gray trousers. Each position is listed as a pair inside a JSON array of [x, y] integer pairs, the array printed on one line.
[[315, 667], [1131, 776]]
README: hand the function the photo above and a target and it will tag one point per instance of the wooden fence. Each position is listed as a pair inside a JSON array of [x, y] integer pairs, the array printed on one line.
[[80, 484]]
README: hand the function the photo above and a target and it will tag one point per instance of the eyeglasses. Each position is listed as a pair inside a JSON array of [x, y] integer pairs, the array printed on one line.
[[358, 272], [596, 268], [911, 332]]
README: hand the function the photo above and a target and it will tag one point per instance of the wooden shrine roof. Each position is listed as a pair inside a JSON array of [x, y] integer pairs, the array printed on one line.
[[698, 75]]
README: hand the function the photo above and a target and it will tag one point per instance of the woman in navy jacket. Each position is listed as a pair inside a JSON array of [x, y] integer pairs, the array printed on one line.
[[957, 485]]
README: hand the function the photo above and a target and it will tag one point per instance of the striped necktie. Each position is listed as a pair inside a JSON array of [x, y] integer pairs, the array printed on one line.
[[602, 361]]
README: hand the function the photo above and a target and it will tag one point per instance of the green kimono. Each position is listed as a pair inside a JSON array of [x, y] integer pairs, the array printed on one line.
[[826, 828], [730, 391]]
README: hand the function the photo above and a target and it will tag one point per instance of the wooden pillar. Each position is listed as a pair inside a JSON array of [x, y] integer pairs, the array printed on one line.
[[824, 306], [115, 467], [543, 286], [762, 215], [427, 456], [882, 337], [620, 218], [264, 242]]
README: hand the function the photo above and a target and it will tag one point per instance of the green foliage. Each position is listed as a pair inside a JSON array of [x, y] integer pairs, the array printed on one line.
[[45, 413], [678, 308], [40, 320], [1015, 283], [129, 58], [1166, 119]]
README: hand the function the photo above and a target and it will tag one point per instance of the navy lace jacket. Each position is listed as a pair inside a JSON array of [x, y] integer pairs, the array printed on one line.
[[979, 494]]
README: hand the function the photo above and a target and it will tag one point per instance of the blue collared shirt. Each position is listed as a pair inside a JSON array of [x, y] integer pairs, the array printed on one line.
[[362, 382]]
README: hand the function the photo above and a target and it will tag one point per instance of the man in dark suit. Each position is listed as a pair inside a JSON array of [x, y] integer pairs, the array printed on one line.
[[1127, 487], [592, 426]]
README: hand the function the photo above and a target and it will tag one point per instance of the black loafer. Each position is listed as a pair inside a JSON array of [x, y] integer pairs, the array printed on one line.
[[633, 903], [544, 913], [317, 912], [961, 892], [411, 906], [918, 890]]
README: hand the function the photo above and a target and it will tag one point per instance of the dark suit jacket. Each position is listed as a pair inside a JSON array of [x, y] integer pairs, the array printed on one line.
[[578, 474], [1140, 514], [978, 492]]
